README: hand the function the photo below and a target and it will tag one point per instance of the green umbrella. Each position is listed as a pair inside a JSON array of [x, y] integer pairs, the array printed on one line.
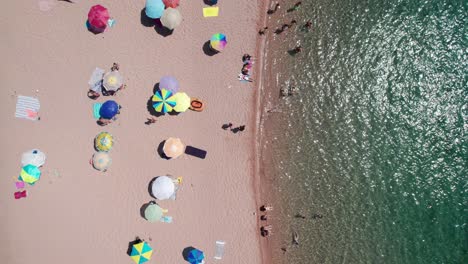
[[153, 212]]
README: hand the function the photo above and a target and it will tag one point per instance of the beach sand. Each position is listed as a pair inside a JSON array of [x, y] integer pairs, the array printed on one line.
[[76, 214]]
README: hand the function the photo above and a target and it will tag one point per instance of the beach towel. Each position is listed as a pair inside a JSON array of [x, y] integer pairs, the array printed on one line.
[[210, 11], [96, 108], [196, 152], [27, 108], [219, 249], [243, 78], [95, 81]]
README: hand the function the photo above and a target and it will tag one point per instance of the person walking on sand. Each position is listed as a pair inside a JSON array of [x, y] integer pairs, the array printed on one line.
[[296, 50], [308, 24], [295, 7], [262, 32], [242, 128], [150, 120], [272, 11], [265, 208], [226, 126]]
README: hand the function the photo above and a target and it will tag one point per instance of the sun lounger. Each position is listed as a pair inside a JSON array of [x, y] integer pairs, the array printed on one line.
[[219, 249], [199, 153]]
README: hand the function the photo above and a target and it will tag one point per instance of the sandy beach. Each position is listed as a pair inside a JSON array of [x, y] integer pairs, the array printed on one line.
[[79, 215]]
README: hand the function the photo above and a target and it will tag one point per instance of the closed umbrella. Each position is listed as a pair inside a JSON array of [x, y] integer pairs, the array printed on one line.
[[154, 8], [34, 157], [162, 101], [112, 81], [171, 3], [163, 188], [218, 42], [171, 18], [103, 141], [195, 256], [98, 17], [109, 109], [153, 212], [169, 83], [182, 102], [141, 252], [30, 174], [173, 147], [101, 161]]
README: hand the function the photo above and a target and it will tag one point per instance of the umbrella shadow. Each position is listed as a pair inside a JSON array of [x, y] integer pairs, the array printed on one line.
[[92, 29], [161, 151], [156, 88], [162, 30], [131, 243], [208, 50], [145, 20], [186, 252], [208, 2], [149, 187]]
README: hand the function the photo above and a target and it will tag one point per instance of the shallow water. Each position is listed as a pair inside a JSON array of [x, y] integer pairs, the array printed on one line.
[[376, 140]]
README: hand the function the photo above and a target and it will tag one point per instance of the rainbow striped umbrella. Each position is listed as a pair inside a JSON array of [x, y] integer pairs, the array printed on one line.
[[30, 174], [218, 42], [163, 101], [141, 252]]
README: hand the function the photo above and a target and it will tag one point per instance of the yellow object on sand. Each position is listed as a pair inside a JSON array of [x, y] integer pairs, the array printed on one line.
[[210, 11]]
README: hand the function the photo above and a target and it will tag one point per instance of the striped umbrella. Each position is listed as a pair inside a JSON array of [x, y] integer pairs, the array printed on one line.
[[182, 102], [218, 42], [141, 252], [162, 101], [103, 141], [30, 174]]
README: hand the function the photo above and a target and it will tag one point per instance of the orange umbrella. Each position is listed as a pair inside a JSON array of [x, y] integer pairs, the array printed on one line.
[[173, 147]]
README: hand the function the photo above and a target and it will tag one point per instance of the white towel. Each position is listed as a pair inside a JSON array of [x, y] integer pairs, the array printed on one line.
[[27, 107]]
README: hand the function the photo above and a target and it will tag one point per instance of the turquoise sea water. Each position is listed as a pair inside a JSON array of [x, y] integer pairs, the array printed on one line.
[[376, 139]]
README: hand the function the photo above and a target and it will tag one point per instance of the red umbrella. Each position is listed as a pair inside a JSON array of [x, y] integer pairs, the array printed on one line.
[[171, 3], [98, 16]]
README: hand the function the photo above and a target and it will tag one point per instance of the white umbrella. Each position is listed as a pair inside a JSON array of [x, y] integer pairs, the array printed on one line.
[[163, 188], [171, 18], [34, 157]]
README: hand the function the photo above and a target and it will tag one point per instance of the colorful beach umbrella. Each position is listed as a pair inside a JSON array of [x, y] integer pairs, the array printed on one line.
[[153, 213], [169, 83], [154, 8], [182, 102], [103, 141], [171, 3], [195, 256], [112, 81], [173, 147], [34, 157], [141, 252], [163, 188], [98, 17], [30, 174], [109, 109], [171, 18], [162, 101], [218, 42], [101, 161]]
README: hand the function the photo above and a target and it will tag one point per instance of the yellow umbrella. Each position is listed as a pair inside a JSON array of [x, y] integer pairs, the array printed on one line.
[[112, 81], [173, 147], [141, 252], [182, 102], [103, 141]]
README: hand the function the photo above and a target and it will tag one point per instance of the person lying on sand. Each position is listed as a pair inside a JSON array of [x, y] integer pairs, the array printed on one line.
[[103, 122], [295, 238], [272, 11], [265, 208]]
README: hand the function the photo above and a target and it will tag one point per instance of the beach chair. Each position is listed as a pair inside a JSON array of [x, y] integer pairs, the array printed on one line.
[[192, 151], [219, 250]]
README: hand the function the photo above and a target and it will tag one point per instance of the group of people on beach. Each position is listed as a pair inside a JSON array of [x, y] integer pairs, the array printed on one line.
[[247, 62]]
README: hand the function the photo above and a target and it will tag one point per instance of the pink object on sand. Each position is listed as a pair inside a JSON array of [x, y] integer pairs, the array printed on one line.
[[22, 194], [19, 185]]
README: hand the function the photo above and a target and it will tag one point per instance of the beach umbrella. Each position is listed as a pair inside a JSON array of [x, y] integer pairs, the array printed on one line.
[[171, 18], [153, 212], [103, 141], [173, 147], [162, 102], [34, 157], [101, 161], [169, 83], [195, 256], [141, 252], [30, 174], [163, 188], [218, 42], [182, 102], [171, 3], [154, 8], [109, 109], [112, 81], [98, 16]]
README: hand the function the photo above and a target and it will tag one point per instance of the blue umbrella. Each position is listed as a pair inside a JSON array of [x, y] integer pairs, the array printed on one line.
[[195, 256], [109, 109], [154, 8]]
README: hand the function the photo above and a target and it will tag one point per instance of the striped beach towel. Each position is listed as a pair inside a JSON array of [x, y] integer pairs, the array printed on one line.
[[27, 107]]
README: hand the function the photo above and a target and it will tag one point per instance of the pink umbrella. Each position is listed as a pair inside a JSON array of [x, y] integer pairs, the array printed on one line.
[[171, 3], [98, 16]]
